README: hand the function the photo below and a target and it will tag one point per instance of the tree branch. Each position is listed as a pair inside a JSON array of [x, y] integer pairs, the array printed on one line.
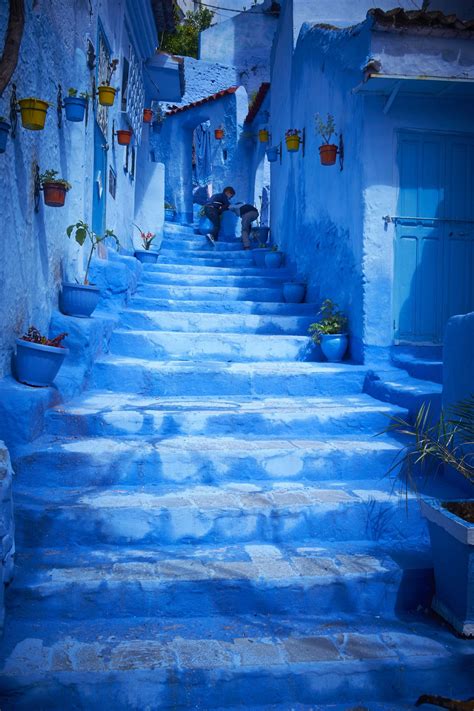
[[11, 50]]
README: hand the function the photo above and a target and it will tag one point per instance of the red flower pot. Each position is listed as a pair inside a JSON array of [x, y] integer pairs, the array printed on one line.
[[219, 134], [124, 137], [54, 194], [147, 115], [328, 154]]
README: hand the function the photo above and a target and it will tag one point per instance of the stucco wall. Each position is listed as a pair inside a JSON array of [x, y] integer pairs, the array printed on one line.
[[7, 535], [202, 79], [458, 357], [37, 253]]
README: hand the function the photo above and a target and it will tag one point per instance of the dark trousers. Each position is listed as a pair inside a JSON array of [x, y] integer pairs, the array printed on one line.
[[214, 217]]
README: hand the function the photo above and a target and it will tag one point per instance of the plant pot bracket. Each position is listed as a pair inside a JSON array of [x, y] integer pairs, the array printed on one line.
[[59, 106], [14, 110], [36, 185]]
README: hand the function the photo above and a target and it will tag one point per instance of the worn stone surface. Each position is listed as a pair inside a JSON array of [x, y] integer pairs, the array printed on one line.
[[7, 527]]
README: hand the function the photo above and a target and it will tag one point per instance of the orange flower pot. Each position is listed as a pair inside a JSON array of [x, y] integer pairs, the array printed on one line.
[[33, 113], [124, 137], [263, 135], [106, 95], [328, 154], [147, 115], [292, 143], [54, 194], [219, 134]]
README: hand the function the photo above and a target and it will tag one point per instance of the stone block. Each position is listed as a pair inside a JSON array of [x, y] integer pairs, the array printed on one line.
[[311, 649]]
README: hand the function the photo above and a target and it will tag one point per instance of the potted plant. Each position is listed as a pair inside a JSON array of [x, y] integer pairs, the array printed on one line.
[[145, 255], [330, 331], [75, 106], [81, 299], [33, 113], [328, 150], [54, 189], [38, 358], [446, 444], [272, 153], [293, 139], [4, 129], [263, 135], [274, 258], [219, 133], [147, 115], [294, 291], [105, 91], [170, 212], [124, 136]]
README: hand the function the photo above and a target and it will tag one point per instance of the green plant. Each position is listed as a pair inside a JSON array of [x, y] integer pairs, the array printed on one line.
[[325, 128], [34, 336], [146, 237], [293, 132], [49, 176], [83, 232], [72, 93], [332, 321], [185, 39]]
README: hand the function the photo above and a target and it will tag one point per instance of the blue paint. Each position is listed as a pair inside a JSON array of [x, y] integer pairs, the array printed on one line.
[[99, 183], [75, 108], [4, 131], [37, 364], [78, 300]]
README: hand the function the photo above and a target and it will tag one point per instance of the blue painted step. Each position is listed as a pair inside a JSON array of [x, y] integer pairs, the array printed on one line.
[[397, 387], [152, 270], [211, 293], [207, 280], [422, 368], [225, 307]]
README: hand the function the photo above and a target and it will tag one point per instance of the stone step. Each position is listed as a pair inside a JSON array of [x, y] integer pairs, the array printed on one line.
[[230, 512], [152, 304], [118, 414], [176, 228], [199, 243], [183, 581], [420, 368], [182, 321], [228, 347], [141, 664], [147, 377], [399, 388], [190, 459], [217, 260], [211, 293], [209, 280], [150, 270]]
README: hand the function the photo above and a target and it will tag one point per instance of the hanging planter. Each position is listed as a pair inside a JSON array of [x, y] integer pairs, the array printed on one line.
[[147, 115], [272, 154], [293, 140], [54, 189], [124, 137], [75, 106], [38, 358], [4, 129], [263, 135], [326, 129], [33, 113], [328, 154], [219, 134], [106, 95]]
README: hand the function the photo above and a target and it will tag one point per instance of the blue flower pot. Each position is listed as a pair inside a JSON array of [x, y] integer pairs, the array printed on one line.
[[452, 548], [146, 256], [36, 364], [75, 108], [78, 299], [258, 256], [4, 129], [272, 154], [260, 234], [169, 215], [273, 260], [294, 292], [333, 346]]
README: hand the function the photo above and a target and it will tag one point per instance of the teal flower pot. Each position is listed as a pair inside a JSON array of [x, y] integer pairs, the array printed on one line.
[[78, 300], [334, 346], [36, 364]]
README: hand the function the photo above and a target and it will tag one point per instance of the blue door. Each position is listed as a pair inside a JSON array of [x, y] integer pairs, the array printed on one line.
[[99, 190], [434, 234]]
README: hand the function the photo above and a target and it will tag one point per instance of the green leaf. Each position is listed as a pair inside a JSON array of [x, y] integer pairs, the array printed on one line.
[[69, 230], [81, 235]]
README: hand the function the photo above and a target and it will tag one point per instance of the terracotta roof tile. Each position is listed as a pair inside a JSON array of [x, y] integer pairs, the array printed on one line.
[[174, 109], [400, 19]]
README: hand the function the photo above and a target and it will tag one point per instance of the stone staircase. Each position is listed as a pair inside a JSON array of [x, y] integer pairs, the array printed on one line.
[[209, 526]]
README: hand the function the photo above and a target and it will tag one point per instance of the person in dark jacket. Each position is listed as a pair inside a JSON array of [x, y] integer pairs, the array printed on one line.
[[248, 214], [214, 208]]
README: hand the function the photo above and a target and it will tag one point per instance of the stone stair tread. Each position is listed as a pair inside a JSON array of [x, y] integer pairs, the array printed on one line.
[[264, 308], [170, 268]]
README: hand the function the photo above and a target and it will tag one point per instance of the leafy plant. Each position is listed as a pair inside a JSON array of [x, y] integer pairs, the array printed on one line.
[[111, 68], [34, 336], [449, 441], [72, 93], [83, 232], [146, 237], [293, 132], [49, 176], [332, 321], [325, 128], [184, 40]]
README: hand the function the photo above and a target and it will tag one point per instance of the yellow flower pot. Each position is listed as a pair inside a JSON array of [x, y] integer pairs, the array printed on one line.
[[33, 113], [106, 95], [263, 136], [292, 143]]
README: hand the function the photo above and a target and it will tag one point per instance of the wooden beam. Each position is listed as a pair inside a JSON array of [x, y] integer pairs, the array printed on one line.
[[11, 50]]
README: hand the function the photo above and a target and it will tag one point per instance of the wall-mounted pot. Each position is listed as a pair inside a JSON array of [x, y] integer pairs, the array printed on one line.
[[328, 154], [75, 108], [106, 95], [54, 194], [33, 113]]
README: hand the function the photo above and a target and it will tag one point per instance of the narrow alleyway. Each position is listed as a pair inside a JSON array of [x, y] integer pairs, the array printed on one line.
[[215, 529]]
